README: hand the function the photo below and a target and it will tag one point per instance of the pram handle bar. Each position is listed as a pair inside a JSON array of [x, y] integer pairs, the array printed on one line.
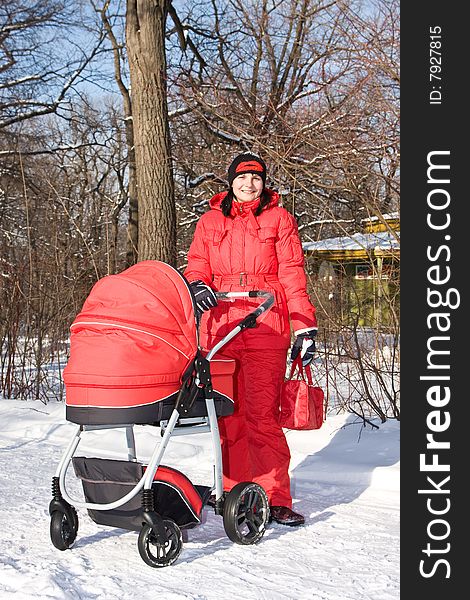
[[249, 321], [249, 294]]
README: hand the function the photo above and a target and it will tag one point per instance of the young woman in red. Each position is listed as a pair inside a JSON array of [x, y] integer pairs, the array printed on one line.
[[248, 241]]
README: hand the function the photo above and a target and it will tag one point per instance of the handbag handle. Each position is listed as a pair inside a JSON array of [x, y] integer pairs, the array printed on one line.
[[297, 362]]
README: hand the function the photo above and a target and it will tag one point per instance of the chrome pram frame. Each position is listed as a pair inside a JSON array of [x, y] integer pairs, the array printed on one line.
[[157, 531]]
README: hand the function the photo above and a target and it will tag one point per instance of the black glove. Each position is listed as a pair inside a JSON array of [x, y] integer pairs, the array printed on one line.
[[305, 344], [204, 295]]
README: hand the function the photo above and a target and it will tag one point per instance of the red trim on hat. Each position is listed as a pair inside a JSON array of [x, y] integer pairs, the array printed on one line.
[[250, 165]]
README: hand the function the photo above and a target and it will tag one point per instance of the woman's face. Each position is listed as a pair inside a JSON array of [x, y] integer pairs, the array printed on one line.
[[247, 186]]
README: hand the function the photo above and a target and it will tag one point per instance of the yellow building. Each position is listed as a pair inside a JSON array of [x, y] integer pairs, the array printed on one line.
[[358, 274]]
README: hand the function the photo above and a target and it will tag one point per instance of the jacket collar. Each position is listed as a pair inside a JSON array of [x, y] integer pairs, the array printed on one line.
[[244, 209], [216, 200]]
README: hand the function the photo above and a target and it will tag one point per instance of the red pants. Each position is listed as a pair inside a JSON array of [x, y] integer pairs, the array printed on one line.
[[254, 447]]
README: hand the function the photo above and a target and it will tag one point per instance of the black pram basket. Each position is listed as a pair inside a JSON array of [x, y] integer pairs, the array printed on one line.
[[106, 480]]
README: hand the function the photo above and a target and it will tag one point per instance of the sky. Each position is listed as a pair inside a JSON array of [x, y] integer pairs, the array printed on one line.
[[344, 479]]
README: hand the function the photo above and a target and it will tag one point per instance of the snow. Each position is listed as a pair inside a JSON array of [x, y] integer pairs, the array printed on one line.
[[345, 480], [382, 240], [384, 217]]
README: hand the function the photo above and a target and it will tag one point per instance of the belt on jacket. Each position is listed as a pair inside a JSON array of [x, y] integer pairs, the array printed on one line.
[[244, 279]]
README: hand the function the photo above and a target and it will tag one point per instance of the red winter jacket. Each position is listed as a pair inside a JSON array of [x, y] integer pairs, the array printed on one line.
[[243, 252]]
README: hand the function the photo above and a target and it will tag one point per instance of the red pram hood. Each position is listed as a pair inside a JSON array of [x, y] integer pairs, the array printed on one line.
[[131, 343]]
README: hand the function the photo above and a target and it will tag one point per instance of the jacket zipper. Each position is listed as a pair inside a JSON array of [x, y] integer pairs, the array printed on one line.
[[131, 329], [126, 321], [244, 223], [112, 387]]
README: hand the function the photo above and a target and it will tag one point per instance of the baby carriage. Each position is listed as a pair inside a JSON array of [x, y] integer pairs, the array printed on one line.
[[135, 360]]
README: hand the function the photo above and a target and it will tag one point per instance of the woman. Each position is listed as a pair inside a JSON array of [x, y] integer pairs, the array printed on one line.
[[246, 242]]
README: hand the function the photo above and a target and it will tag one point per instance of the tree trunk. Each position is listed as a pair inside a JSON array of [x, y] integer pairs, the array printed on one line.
[[133, 223], [145, 41]]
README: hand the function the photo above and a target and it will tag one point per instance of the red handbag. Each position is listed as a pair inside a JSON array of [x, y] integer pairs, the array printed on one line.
[[302, 403]]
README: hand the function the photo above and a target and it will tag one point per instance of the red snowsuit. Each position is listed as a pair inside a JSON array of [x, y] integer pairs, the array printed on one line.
[[239, 253]]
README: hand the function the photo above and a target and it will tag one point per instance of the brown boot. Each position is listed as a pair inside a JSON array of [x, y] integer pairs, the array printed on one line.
[[286, 516]]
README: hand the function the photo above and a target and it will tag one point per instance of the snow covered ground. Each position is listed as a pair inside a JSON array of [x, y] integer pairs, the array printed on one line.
[[345, 480]]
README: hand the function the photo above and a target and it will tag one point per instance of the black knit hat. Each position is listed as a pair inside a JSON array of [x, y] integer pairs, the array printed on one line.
[[247, 162]]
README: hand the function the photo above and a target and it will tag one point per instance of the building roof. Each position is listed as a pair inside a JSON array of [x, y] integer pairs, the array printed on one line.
[[359, 244], [388, 217]]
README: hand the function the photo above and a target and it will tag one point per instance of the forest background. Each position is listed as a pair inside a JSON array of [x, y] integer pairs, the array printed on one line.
[[117, 122]]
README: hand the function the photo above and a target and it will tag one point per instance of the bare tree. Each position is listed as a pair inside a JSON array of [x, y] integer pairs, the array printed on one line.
[[35, 72], [145, 40], [119, 63], [60, 229], [313, 86]]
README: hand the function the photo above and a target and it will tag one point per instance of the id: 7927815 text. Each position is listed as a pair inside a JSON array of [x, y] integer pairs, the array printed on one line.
[[435, 64]]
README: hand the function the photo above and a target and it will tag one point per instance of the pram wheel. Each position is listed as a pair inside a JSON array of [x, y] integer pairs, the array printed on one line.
[[246, 512], [63, 532], [157, 555]]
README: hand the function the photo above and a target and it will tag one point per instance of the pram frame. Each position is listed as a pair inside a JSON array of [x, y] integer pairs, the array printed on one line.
[[59, 487]]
